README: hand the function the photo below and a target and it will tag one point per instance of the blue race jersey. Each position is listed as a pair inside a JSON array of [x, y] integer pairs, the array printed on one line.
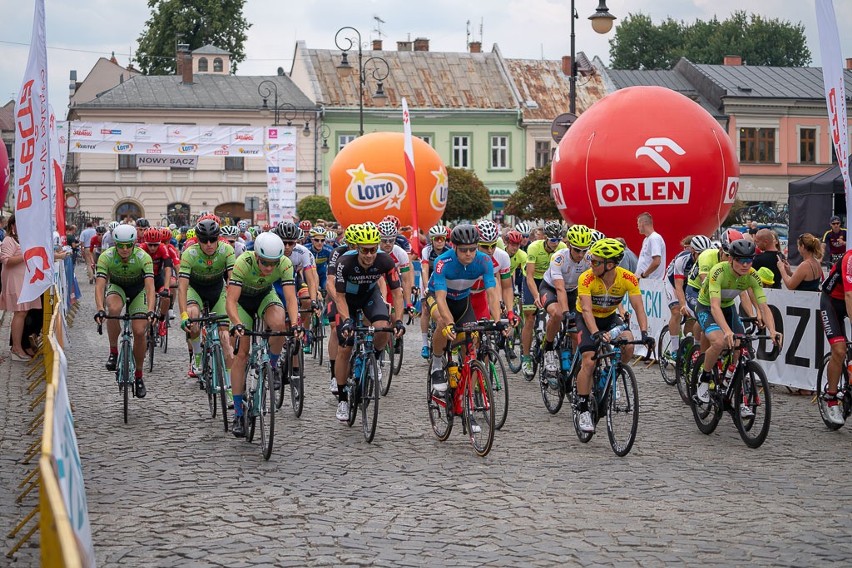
[[322, 257], [456, 279]]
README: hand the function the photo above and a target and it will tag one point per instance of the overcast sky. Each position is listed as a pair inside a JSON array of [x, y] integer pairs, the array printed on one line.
[[80, 31]]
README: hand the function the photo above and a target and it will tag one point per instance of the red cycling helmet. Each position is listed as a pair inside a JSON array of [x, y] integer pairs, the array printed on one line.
[[306, 226], [165, 234], [729, 236], [211, 216], [266, 227], [393, 219], [151, 235], [514, 238]]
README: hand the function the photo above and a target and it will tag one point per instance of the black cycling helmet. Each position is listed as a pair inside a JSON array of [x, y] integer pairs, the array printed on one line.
[[554, 230], [207, 229], [741, 248], [100, 229], [288, 231], [142, 222], [465, 235]]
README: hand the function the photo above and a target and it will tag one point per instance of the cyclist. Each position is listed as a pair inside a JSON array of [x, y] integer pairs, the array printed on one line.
[[558, 291], [304, 268], [675, 280], [232, 235], [437, 246], [250, 293], [106, 239], [835, 305], [539, 254], [388, 233], [204, 270], [356, 276], [502, 266], [448, 299], [401, 241], [125, 276], [524, 229], [322, 252], [331, 294], [717, 314], [706, 260], [141, 224], [96, 244], [163, 267], [305, 227]]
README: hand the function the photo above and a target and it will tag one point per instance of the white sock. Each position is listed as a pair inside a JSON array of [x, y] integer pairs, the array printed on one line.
[[437, 363]]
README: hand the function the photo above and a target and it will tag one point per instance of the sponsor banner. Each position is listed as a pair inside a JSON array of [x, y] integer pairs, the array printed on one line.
[[155, 161], [62, 136], [796, 315], [280, 152], [642, 191]]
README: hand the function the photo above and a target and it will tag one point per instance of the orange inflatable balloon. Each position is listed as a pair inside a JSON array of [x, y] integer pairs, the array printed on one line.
[[368, 181]]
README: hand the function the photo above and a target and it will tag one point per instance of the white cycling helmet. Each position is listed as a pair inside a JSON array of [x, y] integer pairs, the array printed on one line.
[[524, 228], [230, 231], [112, 226], [124, 234], [487, 231], [172, 226], [700, 243], [243, 226], [269, 246]]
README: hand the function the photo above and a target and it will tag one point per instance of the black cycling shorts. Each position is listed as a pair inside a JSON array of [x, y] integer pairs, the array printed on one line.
[[832, 313], [461, 310], [585, 342], [548, 296]]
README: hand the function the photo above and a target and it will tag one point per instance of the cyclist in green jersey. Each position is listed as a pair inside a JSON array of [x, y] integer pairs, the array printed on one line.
[[204, 270], [250, 292], [716, 311], [125, 275]]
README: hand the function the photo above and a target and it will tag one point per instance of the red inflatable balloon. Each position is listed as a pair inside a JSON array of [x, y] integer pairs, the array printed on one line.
[[5, 175], [646, 149]]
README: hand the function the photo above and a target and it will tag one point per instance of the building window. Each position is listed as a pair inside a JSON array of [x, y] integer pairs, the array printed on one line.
[[343, 140], [202, 65], [127, 162], [499, 152], [217, 65], [833, 152], [234, 164], [425, 137], [757, 145], [128, 209], [461, 152], [807, 145], [542, 153], [178, 213]]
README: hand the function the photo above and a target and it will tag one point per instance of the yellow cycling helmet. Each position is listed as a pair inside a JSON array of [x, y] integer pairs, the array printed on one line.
[[608, 249], [579, 236], [366, 235], [190, 233], [349, 234]]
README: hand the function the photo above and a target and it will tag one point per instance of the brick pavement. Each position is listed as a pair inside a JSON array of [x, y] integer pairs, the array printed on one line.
[[172, 489]]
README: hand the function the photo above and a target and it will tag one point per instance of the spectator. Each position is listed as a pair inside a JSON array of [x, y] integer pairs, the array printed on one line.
[[834, 241], [769, 255], [630, 259], [12, 276], [751, 232], [652, 256], [767, 278], [808, 274], [86, 241], [2, 229]]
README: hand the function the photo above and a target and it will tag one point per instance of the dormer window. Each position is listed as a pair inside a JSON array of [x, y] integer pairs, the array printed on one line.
[[217, 65], [202, 65]]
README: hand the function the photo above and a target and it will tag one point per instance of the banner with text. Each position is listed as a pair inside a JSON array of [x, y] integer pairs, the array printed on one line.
[[280, 151]]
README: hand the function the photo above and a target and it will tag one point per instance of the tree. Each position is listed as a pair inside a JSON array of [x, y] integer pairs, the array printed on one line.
[[467, 196], [639, 44], [532, 199], [193, 22], [314, 207]]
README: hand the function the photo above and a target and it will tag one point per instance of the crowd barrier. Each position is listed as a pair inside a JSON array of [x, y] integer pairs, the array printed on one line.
[[65, 538]]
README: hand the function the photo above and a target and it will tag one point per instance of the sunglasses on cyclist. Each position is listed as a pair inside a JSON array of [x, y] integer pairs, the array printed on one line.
[[488, 246], [207, 240], [318, 240], [465, 249], [270, 263], [388, 241], [597, 262], [553, 240], [579, 250], [289, 243], [368, 250], [152, 244], [744, 259], [124, 245]]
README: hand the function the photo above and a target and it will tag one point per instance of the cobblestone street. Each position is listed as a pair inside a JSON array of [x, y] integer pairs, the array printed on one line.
[[170, 488]]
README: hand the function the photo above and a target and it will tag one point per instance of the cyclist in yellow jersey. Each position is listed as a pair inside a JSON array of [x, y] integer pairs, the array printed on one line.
[[600, 290], [538, 261]]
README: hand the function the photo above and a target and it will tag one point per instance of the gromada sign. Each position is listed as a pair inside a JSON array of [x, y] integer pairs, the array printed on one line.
[[149, 161]]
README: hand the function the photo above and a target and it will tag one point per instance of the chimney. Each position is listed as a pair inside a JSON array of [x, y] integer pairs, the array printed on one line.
[[849, 62], [475, 46], [403, 46], [377, 45], [733, 60], [182, 48], [566, 65], [421, 44], [187, 69]]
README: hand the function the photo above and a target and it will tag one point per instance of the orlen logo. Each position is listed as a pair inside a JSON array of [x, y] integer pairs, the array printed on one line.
[[154, 149], [438, 195], [123, 147], [187, 148], [647, 191], [653, 148], [222, 150], [731, 188], [82, 132], [367, 190]]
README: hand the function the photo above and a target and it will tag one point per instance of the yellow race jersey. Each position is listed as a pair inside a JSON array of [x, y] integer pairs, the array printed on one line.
[[605, 300]]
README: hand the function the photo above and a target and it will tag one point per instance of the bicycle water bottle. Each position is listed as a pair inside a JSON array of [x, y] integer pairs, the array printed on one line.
[[729, 374], [565, 357], [453, 374], [356, 370], [251, 380], [602, 381], [617, 330]]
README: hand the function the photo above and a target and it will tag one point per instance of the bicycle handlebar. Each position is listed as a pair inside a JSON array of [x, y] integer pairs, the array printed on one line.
[[212, 316], [484, 325], [264, 334], [124, 317]]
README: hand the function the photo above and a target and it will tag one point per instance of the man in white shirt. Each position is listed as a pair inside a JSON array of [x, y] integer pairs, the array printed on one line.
[[652, 257], [85, 242]]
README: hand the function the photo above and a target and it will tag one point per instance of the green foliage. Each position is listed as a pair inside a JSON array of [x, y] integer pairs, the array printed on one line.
[[314, 207], [532, 199], [467, 196], [640, 44], [194, 22]]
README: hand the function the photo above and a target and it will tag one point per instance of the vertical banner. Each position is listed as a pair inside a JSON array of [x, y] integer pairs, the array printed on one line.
[[410, 178], [280, 151], [33, 169], [835, 92], [58, 187]]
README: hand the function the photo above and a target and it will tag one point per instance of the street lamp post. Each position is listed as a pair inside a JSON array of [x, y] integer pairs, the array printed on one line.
[[380, 71], [601, 23], [289, 111]]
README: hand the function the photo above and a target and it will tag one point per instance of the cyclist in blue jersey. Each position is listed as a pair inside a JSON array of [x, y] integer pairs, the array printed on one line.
[[322, 252], [449, 293]]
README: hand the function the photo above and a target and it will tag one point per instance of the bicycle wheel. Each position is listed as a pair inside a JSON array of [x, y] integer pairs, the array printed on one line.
[[479, 409], [152, 346], [822, 387], [751, 392], [319, 338], [622, 411], [664, 357], [297, 385], [536, 353], [254, 400], [551, 390], [285, 369], [125, 381], [512, 350], [370, 387], [266, 410], [399, 349], [353, 384], [218, 380], [440, 409], [390, 356], [209, 385], [500, 386], [164, 340], [706, 415], [593, 410], [683, 366]]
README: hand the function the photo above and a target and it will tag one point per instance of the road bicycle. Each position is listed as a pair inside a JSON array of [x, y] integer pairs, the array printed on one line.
[[392, 354], [489, 355], [556, 386], [363, 383], [317, 331], [844, 389], [213, 375], [511, 344], [125, 367], [469, 391], [537, 347], [745, 396], [292, 349], [615, 394]]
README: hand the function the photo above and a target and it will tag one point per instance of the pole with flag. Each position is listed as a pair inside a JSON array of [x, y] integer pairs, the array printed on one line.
[[835, 92], [34, 168], [410, 178]]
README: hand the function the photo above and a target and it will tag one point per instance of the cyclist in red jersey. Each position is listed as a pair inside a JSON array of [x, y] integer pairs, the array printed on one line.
[[163, 268], [835, 305]]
